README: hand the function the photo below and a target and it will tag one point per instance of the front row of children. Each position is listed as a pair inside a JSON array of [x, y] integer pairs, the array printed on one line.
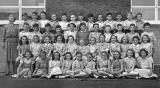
[[94, 66]]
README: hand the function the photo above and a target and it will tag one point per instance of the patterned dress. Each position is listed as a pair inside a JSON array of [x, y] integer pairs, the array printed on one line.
[[90, 66], [59, 47], [71, 48], [67, 67]]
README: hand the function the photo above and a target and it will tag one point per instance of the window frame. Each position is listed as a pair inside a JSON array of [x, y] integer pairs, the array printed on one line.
[[20, 7], [156, 7]]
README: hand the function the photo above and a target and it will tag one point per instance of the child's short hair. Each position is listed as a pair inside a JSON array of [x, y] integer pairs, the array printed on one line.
[[71, 24], [71, 37], [138, 14], [102, 35], [24, 14], [119, 25], [132, 25], [78, 53], [35, 25], [95, 24], [143, 49], [149, 40], [48, 25], [58, 26], [63, 14], [109, 14], [43, 12], [118, 14], [25, 23], [35, 13], [90, 15], [146, 24]]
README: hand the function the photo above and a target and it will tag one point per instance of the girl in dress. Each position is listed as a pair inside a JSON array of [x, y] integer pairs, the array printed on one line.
[[95, 32], [35, 19], [119, 34], [35, 32], [107, 33], [116, 64], [59, 46], [146, 44], [90, 22], [24, 68], [41, 65], [35, 46], [102, 45], [93, 46], [100, 22], [54, 65], [132, 32], [54, 22], [63, 23], [129, 64], [71, 46], [109, 21], [147, 31], [71, 31], [119, 20], [145, 65], [124, 46], [128, 22], [25, 31], [67, 65], [135, 46], [78, 66]]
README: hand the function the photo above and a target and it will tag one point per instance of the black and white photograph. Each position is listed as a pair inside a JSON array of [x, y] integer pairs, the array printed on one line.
[[79, 43]]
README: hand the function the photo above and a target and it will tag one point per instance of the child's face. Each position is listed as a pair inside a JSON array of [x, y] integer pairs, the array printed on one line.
[[35, 29], [129, 53], [92, 41], [73, 18], [11, 19], [80, 18], [107, 29], [120, 28], [36, 39], [64, 18], [59, 38], [100, 17], [129, 16], [25, 27], [43, 16], [27, 55], [113, 39], [34, 16], [139, 17], [135, 41], [70, 39], [96, 27], [47, 40], [48, 28], [132, 28], [116, 55], [25, 17], [79, 57], [145, 39], [90, 19], [24, 39], [147, 28], [56, 56], [53, 17], [102, 38], [83, 27], [68, 56], [124, 40], [89, 57], [104, 56], [82, 43], [119, 17], [58, 30], [71, 26], [109, 17], [143, 54]]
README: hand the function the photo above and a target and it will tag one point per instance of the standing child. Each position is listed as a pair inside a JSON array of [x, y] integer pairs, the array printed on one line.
[[90, 22], [72, 31], [100, 22], [64, 23], [124, 46], [25, 31], [80, 20], [48, 32], [35, 32], [119, 20], [55, 65], [35, 19], [54, 22], [139, 23], [73, 19], [109, 21], [58, 31], [107, 33], [119, 34]]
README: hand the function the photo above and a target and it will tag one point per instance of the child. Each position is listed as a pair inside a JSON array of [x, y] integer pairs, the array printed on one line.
[[73, 19], [90, 65], [129, 64], [95, 32], [147, 31], [41, 65], [100, 22], [55, 65], [35, 32], [124, 46], [109, 21], [71, 31], [58, 31], [119, 20], [83, 33], [139, 23], [119, 34], [25, 19], [107, 33], [80, 20], [54, 22], [90, 22], [25, 31], [24, 68], [116, 64], [48, 32], [35, 19], [145, 65], [78, 66], [63, 23], [135, 46], [146, 44], [93, 46], [71, 46], [67, 65], [102, 45], [128, 22]]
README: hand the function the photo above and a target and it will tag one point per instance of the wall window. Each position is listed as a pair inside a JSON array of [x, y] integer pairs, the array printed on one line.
[[149, 8], [18, 7]]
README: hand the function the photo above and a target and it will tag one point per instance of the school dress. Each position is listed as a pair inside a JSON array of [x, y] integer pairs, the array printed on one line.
[[78, 67], [35, 48], [114, 47], [47, 48], [103, 47], [83, 49], [54, 67], [108, 36], [89, 67], [25, 69], [119, 36], [93, 48], [67, 67], [71, 48], [103, 65], [124, 48], [136, 49], [59, 47], [95, 35], [116, 66]]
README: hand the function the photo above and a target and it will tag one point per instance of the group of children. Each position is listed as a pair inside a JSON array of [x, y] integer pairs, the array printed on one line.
[[78, 48]]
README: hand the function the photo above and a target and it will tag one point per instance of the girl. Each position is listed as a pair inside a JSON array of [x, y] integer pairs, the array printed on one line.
[[102, 45], [89, 65], [54, 22], [24, 68], [25, 31], [22, 47], [59, 46], [129, 64], [73, 19], [41, 65], [119, 20], [132, 33], [107, 33], [78, 66], [114, 45], [71, 46], [35, 46], [90, 22], [109, 21], [100, 22], [135, 46], [146, 44], [83, 33], [35, 32], [63, 23], [145, 65], [71, 31], [128, 22], [93, 46], [124, 46], [55, 65], [95, 32], [119, 34], [67, 65], [116, 64], [35, 19]]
